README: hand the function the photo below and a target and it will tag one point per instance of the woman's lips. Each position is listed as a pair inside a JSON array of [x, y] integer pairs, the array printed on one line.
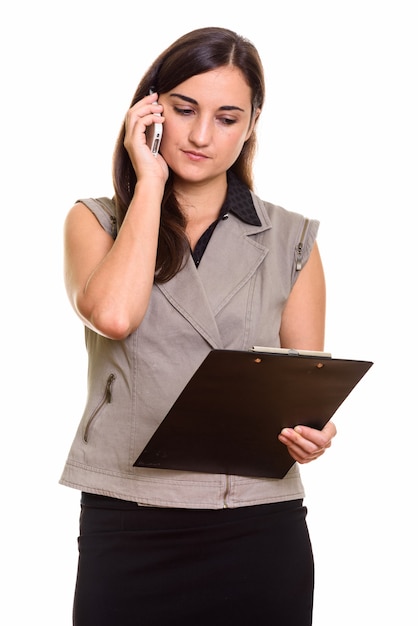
[[195, 156]]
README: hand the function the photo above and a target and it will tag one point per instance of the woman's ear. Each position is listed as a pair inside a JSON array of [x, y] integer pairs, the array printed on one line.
[[253, 123]]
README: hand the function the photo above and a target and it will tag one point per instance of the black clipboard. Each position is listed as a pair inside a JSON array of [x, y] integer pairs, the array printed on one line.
[[227, 418]]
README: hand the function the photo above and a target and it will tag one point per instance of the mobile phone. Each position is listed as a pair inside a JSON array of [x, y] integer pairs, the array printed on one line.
[[154, 134]]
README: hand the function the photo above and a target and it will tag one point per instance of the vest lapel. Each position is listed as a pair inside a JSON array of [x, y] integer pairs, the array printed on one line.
[[187, 294], [229, 262]]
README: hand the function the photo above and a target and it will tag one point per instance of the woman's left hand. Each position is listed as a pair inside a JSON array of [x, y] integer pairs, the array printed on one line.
[[306, 444]]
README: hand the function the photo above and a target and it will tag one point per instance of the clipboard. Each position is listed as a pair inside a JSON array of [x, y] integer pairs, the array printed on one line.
[[227, 418]]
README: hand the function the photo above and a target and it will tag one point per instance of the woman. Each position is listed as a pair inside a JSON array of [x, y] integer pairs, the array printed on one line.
[[186, 258]]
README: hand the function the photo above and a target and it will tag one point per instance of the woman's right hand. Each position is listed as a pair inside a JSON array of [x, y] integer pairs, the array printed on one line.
[[138, 118]]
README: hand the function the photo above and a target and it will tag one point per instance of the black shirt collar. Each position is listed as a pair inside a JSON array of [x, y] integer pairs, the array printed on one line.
[[239, 202]]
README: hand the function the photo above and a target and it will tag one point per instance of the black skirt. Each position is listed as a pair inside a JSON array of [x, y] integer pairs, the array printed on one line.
[[146, 566]]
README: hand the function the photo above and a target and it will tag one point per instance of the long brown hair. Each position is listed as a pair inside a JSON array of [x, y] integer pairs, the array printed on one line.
[[196, 52]]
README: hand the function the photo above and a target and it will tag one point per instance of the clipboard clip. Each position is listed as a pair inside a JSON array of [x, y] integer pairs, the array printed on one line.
[[291, 352]]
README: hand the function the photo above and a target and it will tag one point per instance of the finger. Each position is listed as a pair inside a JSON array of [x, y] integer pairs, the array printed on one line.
[[330, 430], [321, 438], [146, 106], [143, 113], [300, 447], [135, 129], [301, 455]]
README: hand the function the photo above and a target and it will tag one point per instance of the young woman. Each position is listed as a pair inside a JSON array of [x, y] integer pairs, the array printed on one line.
[[183, 259]]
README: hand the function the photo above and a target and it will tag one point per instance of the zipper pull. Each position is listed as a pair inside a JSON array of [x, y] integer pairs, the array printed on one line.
[[299, 247], [108, 392]]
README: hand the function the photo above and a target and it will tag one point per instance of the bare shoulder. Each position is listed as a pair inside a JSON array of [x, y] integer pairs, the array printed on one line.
[[85, 243], [80, 215], [82, 224]]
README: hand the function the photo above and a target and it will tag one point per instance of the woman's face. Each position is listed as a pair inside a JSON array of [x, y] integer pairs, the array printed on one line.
[[207, 120]]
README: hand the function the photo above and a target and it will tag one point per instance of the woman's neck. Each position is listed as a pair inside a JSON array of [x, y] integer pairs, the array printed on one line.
[[200, 204]]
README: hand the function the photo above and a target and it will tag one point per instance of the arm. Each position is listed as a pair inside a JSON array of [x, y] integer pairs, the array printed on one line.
[[303, 327], [303, 319], [109, 282]]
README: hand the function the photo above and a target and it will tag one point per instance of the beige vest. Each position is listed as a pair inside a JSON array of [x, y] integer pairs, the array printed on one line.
[[234, 300]]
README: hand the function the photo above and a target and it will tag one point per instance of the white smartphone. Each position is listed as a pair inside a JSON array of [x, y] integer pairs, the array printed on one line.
[[154, 134]]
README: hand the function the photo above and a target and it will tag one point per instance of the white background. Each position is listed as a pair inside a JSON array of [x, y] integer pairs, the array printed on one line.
[[337, 141]]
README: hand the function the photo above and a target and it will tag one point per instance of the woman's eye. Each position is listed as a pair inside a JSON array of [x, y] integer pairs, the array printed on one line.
[[227, 121], [183, 111]]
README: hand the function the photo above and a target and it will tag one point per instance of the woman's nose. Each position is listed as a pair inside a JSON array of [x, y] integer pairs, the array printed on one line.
[[200, 132]]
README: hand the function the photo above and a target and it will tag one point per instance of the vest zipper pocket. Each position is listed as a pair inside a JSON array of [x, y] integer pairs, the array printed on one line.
[[107, 399]]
